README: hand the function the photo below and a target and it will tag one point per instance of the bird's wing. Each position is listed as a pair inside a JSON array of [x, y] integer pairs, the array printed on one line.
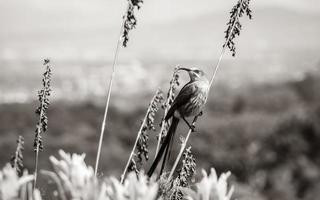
[[182, 98]]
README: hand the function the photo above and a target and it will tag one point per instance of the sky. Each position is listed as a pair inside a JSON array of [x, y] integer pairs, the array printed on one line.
[[79, 33], [152, 9], [66, 26]]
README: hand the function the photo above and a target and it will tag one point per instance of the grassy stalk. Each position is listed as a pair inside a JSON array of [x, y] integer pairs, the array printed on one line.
[[163, 125], [183, 146], [17, 159], [38, 145], [170, 95], [137, 138], [211, 82], [224, 48], [36, 169], [42, 124], [103, 125]]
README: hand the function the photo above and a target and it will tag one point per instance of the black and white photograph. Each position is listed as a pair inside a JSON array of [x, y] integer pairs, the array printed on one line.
[[159, 100]]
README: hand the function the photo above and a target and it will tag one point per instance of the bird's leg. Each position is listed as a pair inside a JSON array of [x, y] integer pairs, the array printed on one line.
[[191, 126]]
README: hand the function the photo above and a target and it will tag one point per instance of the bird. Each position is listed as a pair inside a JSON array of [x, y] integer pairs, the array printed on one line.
[[189, 102]]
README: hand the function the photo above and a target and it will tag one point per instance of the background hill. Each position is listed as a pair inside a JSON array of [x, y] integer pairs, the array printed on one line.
[[81, 51]]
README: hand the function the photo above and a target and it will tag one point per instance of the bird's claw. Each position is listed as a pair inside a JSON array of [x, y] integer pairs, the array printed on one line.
[[192, 127]]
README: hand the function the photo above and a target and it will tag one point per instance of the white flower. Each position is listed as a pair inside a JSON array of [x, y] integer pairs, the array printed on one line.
[[134, 188], [210, 187], [10, 183], [77, 179]]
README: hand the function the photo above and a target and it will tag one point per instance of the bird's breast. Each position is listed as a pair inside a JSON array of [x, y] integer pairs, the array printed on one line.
[[197, 100]]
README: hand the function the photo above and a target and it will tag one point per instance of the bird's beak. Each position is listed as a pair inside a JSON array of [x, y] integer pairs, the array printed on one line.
[[185, 69]]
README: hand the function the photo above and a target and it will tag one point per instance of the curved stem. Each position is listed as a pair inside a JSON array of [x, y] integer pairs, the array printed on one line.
[[163, 125], [211, 82], [183, 146], [38, 135], [103, 125], [224, 47], [137, 139]]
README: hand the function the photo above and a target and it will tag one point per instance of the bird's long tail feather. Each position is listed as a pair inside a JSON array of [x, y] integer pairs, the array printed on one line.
[[165, 147], [167, 154]]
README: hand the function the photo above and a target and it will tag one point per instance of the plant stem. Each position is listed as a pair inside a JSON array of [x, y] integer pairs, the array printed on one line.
[[137, 139], [224, 47], [36, 169], [211, 82], [160, 134], [183, 146], [103, 125], [167, 104], [162, 125], [15, 162], [38, 145]]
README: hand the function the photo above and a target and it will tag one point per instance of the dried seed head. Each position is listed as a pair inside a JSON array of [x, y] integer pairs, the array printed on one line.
[[148, 124], [174, 84], [43, 96], [188, 168], [185, 174], [234, 25], [17, 158], [130, 20], [133, 166]]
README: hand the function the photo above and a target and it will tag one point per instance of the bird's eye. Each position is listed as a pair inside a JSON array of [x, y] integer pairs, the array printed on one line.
[[197, 71]]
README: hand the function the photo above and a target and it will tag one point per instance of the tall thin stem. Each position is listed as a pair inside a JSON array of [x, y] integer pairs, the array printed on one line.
[[103, 125], [160, 134], [38, 144], [183, 146], [163, 125], [224, 47], [173, 83], [42, 124], [36, 170], [211, 82], [137, 139]]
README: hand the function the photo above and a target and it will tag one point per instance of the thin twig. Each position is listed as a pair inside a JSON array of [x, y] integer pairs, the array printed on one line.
[[108, 96], [224, 48], [36, 170], [173, 83], [40, 128], [164, 123], [137, 138], [211, 82], [183, 146]]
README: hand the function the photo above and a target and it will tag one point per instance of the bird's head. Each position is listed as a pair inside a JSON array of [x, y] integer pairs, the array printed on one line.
[[194, 73]]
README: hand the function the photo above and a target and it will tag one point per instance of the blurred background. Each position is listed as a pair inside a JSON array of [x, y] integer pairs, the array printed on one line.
[[261, 122]]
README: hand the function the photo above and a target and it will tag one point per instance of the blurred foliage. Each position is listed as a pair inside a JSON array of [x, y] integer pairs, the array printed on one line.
[[12, 186], [268, 136], [75, 180]]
